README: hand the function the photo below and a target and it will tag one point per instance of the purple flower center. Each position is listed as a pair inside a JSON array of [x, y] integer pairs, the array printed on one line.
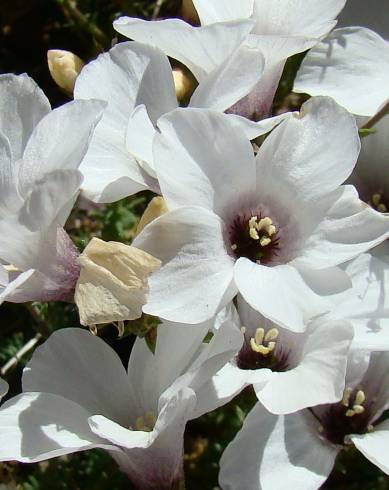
[[255, 237]]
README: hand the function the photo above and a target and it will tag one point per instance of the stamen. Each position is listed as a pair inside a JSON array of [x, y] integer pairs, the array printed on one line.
[[271, 229], [346, 397], [234, 246], [382, 208], [360, 397], [254, 234], [376, 199], [257, 342], [357, 407], [145, 423], [264, 241], [264, 223]]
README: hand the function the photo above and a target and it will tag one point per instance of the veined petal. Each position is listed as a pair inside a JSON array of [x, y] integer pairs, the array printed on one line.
[[310, 156], [48, 149], [297, 17], [39, 426], [22, 106], [223, 10], [352, 66], [201, 49], [202, 159], [195, 280], [75, 364], [272, 446], [318, 378], [231, 81]]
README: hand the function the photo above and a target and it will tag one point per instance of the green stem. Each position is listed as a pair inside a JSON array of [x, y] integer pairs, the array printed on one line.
[[377, 117]]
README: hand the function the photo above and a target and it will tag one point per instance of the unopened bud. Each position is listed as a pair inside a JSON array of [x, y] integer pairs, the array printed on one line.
[[189, 13], [156, 208], [183, 84], [64, 68]]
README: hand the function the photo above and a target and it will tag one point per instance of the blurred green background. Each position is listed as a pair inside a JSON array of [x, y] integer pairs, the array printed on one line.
[[28, 28]]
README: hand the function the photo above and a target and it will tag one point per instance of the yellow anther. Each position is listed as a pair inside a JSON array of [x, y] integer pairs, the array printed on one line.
[[259, 335], [370, 428], [346, 397], [264, 223], [272, 334], [271, 346], [360, 398], [350, 413], [265, 241], [270, 230], [254, 234], [234, 246], [358, 409], [382, 208], [253, 222], [376, 199], [259, 348], [243, 330], [150, 419], [146, 423]]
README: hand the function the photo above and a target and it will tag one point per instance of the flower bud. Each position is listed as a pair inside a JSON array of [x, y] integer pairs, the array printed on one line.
[[183, 84], [64, 68], [113, 282], [156, 208]]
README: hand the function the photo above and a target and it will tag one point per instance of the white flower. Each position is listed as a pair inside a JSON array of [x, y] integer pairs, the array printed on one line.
[[289, 371], [278, 28], [352, 66], [273, 227], [77, 396], [3, 388], [137, 82], [40, 151], [303, 446]]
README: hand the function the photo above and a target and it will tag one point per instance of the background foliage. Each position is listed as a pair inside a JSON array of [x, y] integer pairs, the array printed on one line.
[[27, 30]]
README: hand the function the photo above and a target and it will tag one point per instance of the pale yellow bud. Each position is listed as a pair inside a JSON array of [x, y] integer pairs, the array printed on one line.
[[183, 84], [156, 208], [188, 12], [113, 282], [64, 68]]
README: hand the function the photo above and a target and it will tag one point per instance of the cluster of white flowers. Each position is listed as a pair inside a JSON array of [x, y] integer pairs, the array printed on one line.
[[259, 241]]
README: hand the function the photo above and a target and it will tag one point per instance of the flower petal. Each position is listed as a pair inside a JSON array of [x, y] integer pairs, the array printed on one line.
[[318, 378], [39, 426], [272, 446], [201, 49], [222, 10], [373, 445], [195, 280], [75, 364], [352, 66], [202, 159], [22, 106]]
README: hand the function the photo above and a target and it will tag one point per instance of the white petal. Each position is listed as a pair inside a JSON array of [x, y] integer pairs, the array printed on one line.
[[156, 456], [22, 106], [195, 280], [151, 374], [39, 426], [366, 304], [202, 159], [76, 365], [201, 49], [297, 17], [279, 452], [222, 10], [374, 445], [230, 81], [140, 136], [128, 75], [310, 155], [319, 376], [352, 66], [3, 388], [253, 129], [10, 201], [349, 228], [59, 141], [286, 295]]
